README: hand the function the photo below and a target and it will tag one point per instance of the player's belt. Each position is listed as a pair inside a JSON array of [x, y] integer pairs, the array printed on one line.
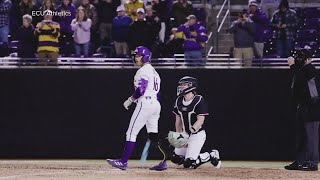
[[201, 129]]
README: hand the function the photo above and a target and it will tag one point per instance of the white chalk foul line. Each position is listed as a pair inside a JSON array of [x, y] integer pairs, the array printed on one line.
[[26, 175], [42, 161]]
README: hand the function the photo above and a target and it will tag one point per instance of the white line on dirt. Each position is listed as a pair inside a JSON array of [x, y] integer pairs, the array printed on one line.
[[26, 175], [44, 161]]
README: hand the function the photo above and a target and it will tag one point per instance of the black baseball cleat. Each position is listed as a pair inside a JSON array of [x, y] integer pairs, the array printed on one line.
[[309, 167], [294, 166]]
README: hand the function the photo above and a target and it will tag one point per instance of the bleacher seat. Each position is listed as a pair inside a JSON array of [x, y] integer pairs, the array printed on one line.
[[301, 44], [311, 12], [307, 35], [311, 23]]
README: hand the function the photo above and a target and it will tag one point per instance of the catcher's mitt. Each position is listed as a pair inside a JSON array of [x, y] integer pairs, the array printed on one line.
[[178, 139]]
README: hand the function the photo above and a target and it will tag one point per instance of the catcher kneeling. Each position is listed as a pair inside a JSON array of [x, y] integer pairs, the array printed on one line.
[[190, 110]]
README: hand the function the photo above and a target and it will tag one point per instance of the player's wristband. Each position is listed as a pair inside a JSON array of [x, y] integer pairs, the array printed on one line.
[[193, 129]]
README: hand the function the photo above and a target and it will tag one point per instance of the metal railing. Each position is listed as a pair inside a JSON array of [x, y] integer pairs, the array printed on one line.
[[220, 24], [212, 61], [208, 47]]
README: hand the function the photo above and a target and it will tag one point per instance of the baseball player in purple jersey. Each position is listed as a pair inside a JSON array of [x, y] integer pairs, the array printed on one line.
[[191, 110], [147, 112]]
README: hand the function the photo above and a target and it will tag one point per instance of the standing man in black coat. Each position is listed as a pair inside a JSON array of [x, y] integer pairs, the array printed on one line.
[[141, 32], [305, 90]]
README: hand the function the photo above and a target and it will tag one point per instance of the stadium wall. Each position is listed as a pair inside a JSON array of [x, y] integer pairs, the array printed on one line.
[[78, 113]]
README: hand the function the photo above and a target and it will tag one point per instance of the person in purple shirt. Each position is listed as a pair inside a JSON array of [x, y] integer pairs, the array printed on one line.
[[194, 36], [261, 22], [120, 31]]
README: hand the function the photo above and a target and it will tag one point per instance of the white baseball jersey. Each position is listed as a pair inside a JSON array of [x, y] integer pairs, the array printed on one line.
[[147, 72], [147, 111]]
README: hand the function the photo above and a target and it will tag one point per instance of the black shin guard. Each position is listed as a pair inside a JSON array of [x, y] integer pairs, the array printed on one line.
[[155, 142], [202, 158], [176, 159]]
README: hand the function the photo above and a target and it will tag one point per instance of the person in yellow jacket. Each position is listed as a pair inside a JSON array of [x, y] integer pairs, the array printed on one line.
[[48, 33], [131, 7]]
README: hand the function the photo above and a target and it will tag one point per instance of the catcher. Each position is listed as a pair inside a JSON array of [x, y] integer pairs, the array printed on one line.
[[190, 110]]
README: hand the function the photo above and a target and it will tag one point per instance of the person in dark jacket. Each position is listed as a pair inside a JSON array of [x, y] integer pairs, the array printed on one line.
[[120, 30], [153, 19], [26, 38], [180, 10], [160, 9], [285, 22], [305, 91], [68, 13], [243, 31], [261, 22], [106, 10], [25, 7], [140, 32]]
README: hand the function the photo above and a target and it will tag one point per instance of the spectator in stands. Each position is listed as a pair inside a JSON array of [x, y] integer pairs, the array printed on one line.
[[106, 10], [160, 8], [269, 6], [173, 45], [81, 26], [13, 19], [25, 7], [243, 31], [120, 30], [180, 10], [48, 33], [140, 32], [5, 6], [26, 38], [92, 14], [261, 21], [154, 20], [194, 36], [47, 5], [284, 21], [66, 32], [132, 6]]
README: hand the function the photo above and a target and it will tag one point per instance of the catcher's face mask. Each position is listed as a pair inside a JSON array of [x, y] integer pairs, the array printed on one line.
[[184, 88]]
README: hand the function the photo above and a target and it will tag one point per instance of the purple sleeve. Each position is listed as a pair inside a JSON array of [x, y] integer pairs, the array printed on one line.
[[181, 28], [260, 17], [141, 89], [202, 34]]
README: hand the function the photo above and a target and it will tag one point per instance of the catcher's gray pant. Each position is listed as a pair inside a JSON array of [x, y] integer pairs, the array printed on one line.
[[195, 144], [147, 113]]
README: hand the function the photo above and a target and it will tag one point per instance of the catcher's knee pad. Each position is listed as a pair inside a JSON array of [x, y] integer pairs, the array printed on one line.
[[177, 159], [154, 137], [189, 163]]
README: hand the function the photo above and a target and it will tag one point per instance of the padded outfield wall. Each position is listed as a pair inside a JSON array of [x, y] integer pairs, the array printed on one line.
[[78, 113]]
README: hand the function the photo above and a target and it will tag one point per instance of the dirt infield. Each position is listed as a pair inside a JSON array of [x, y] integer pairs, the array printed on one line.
[[98, 169]]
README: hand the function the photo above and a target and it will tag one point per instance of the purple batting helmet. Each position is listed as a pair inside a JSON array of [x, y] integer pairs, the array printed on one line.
[[144, 52]]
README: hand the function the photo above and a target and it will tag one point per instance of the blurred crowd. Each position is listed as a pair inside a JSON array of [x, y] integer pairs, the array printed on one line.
[[256, 35], [113, 28], [110, 28]]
